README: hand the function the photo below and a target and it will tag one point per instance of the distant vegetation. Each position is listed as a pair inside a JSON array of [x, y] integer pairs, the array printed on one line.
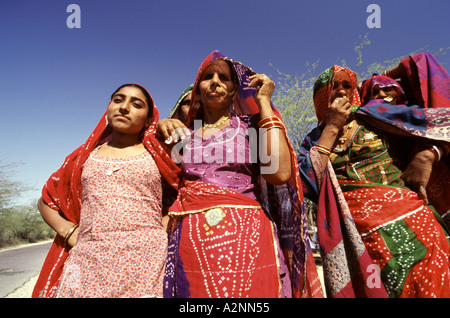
[[22, 224], [18, 224]]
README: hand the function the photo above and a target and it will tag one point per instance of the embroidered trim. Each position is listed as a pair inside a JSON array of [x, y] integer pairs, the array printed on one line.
[[181, 213]]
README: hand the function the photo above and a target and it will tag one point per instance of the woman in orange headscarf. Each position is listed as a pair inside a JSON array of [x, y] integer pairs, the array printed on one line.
[[377, 235]]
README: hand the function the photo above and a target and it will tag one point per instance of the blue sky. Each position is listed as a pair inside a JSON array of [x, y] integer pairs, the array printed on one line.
[[55, 82]]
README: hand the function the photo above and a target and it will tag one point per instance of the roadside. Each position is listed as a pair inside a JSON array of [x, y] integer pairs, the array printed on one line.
[[25, 291], [19, 268], [13, 247]]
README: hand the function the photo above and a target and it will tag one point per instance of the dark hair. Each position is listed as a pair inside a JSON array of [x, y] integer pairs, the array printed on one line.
[[146, 94]]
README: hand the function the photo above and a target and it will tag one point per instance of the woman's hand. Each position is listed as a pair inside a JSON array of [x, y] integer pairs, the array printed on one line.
[[338, 113], [171, 130], [417, 174], [337, 117], [264, 88]]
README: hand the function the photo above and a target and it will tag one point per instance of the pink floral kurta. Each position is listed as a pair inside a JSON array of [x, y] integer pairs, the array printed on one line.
[[122, 245]]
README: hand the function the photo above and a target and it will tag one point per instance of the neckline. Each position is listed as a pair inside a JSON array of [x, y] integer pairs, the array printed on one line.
[[95, 154], [197, 141]]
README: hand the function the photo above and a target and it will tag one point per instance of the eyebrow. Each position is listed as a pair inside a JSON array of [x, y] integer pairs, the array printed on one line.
[[132, 97]]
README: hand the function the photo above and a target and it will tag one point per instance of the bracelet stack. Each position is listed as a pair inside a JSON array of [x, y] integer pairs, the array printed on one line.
[[69, 233], [323, 150], [270, 122]]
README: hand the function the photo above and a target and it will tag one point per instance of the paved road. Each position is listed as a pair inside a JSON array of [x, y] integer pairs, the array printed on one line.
[[19, 265]]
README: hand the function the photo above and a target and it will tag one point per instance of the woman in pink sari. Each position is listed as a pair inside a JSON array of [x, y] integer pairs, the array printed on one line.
[[237, 225]]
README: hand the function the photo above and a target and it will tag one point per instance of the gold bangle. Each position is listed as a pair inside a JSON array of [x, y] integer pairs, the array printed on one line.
[[323, 150], [279, 127], [69, 233], [270, 123]]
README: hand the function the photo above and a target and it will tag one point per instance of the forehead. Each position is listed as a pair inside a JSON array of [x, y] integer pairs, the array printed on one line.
[[219, 66], [131, 91], [342, 76]]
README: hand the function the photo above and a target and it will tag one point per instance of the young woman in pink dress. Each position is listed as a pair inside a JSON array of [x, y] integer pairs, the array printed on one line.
[[105, 205]]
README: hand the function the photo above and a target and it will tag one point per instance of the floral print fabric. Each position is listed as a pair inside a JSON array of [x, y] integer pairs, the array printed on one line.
[[122, 245]]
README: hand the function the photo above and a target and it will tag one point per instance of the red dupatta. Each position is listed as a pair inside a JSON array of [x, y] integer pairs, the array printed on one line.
[[63, 190], [426, 82]]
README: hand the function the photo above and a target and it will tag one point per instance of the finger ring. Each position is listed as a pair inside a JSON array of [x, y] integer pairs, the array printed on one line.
[[422, 189], [169, 140]]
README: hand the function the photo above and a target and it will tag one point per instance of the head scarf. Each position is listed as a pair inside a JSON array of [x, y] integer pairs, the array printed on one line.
[[63, 190], [244, 102], [175, 112], [323, 88], [382, 81], [286, 200], [426, 82]]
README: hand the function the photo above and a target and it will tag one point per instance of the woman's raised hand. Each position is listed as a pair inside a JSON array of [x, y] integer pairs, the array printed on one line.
[[264, 87], [339, 112]]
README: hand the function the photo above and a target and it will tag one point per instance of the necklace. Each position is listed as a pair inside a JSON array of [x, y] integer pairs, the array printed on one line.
[[111, 171], [345, 135], [210, 126]]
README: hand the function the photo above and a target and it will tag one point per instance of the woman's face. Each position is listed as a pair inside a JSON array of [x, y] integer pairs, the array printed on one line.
[[342, 86], [184, 107], [389, 94], [127, 111], [216, 85]]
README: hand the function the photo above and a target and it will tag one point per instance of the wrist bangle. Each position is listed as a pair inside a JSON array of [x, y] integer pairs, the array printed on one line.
[[276, 127], [436, 152], [323, 150], [262, 122], [69, 233], [271, 124]]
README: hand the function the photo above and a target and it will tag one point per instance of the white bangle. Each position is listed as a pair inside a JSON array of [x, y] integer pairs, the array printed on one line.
[[437, 151]]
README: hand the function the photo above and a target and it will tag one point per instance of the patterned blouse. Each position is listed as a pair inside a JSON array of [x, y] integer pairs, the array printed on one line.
[[367, 158]]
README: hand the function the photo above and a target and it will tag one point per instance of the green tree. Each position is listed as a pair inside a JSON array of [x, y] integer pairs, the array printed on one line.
[[9, 188], [293, 98]]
